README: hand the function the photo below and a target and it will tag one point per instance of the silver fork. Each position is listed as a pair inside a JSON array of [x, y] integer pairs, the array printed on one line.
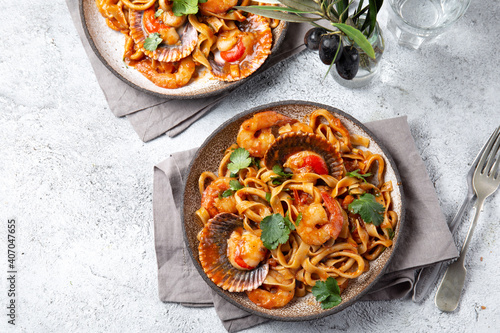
[[485, 181], [427, 276]]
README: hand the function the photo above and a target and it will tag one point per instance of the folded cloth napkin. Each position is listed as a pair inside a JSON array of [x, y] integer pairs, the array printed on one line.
[[426, 240], [152, 116]]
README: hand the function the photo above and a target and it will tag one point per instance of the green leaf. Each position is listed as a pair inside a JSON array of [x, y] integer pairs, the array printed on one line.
[[368, 208], [227, 193], [299, 218], [235, 185], [275, 231], [185, 7], [358, 37], [279, 171], [303, 5], [158, 12], [275, 13], [327, 293], [356, 174], [152, 41], [268, 196], [240, 159], [391, 233]]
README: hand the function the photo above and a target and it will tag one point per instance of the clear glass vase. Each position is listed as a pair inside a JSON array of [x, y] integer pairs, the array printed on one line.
[[368, 67]]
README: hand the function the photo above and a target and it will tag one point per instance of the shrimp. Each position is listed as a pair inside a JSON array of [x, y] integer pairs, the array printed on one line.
[[275, 297], [275, 292], [164, 24], [213, 201], [316, 226], [174, 77], [218, 6], [245, 250], [169, 18], [255, 134]]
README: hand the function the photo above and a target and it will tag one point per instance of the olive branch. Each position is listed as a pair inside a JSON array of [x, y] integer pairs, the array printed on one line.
[[337, 12]]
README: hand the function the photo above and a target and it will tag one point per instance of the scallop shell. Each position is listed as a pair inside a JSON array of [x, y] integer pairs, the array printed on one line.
[[167, 53], [213, 256], [250, 63], [294, 142]]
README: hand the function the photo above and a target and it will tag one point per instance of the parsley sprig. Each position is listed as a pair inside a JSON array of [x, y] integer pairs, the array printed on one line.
[[234, 186], [356, 174], [185, 7], [275, 230], [282, 176], [370, 210], [152, 41], [240, 159], [327, 293]]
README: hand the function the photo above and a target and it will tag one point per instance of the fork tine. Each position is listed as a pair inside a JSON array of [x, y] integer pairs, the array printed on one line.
[[488, 170], [486, 153]]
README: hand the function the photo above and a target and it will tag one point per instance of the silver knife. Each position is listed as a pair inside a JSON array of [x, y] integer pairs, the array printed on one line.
[[427, 276]]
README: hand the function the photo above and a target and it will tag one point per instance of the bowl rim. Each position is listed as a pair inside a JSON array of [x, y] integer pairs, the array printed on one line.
[[401, 218], [230, 87]]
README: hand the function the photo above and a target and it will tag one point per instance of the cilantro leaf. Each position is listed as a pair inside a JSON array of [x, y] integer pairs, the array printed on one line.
[[240, 159], [227, 193], [369, 209], [282, 176], [279, 171], [185, 7], [275, 230], [235, 185], [268, 196], [356, 174], [152, 41], [327, 293]]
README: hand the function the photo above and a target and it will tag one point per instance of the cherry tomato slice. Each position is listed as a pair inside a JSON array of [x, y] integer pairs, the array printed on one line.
[[317, 164], [235, 53]]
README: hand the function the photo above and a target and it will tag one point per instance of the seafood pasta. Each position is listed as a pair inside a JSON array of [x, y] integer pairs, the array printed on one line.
[[167, 45], [296, 207]]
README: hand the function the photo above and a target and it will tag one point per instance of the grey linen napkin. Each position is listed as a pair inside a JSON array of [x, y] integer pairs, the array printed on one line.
[[152, 116], [427, 239]]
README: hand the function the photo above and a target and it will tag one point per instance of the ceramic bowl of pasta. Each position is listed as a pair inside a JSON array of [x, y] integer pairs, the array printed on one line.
[[173, 50], [292, 210]]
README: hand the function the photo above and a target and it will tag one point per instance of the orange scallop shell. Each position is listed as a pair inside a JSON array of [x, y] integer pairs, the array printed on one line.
[[252, 61], [294, 142], [167, 53], [213, 256]]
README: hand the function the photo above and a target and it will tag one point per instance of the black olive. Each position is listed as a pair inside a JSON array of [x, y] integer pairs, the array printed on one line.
[[328, 46], [348, 64], [312, 38]]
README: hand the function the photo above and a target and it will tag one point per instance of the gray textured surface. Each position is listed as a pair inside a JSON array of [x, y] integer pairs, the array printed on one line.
[[79, 181]]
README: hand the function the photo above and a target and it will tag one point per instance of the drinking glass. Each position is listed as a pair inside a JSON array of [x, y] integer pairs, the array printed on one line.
[[416, 21]]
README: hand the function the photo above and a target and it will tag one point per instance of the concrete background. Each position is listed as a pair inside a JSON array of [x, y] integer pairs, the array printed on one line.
[[78, 181]]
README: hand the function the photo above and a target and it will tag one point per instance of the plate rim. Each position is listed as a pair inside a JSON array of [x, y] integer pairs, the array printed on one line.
[[401, 219], [228, 89]]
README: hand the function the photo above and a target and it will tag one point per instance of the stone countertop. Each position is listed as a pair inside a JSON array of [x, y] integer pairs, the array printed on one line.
[[78, 181]]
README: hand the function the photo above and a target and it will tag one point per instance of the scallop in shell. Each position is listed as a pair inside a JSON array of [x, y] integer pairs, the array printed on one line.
[[213, 254], [292, 143], [252, 49], [167, 53]]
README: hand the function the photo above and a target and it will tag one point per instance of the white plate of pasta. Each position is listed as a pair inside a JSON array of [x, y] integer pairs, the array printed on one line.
[[145, 44], [292, 210]]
